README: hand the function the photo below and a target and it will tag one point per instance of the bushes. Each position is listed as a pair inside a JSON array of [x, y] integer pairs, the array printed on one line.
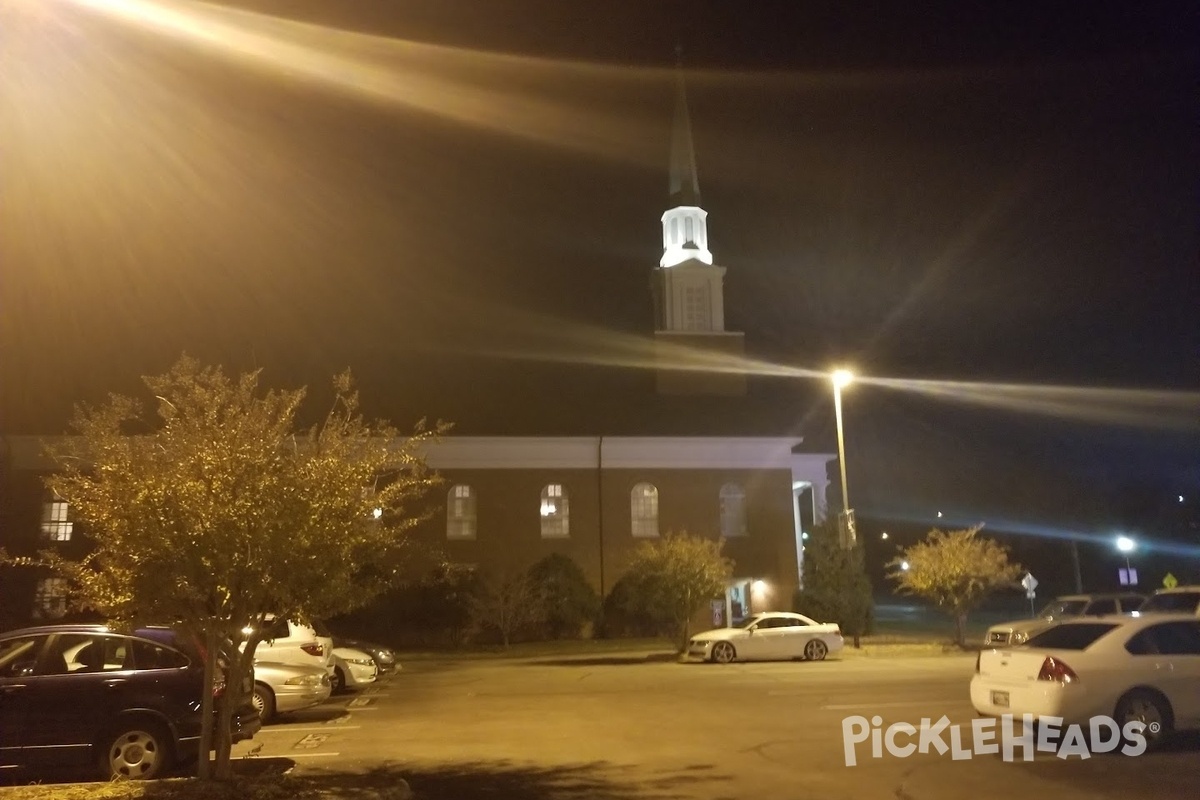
[[836, 586], [570, 606]]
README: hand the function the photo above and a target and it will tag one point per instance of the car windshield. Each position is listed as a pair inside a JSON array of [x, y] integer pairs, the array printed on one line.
[[1071, 636], [1171, 602], [1064, 608]]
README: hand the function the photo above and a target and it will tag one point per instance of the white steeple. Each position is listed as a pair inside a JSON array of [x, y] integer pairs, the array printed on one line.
[[685, 224]]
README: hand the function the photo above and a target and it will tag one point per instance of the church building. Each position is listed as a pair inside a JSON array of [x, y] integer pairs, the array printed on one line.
[[692, 448]]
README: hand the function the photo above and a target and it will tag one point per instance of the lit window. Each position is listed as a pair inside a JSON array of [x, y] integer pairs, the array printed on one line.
[[56, 521], [460, 513], [643, 502], [555, 513], [50, 598], [674, 230], [733, 510], [689, 230]]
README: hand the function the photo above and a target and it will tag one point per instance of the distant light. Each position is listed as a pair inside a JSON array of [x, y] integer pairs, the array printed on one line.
[[1181, 498], [1125, 544], [904, 566], [804, 535], [759, 587], [377, 513], [883, 535], [939, 515], [842, 378]]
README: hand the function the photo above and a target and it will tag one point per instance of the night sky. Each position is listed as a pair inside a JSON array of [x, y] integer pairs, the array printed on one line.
[[459, 199]]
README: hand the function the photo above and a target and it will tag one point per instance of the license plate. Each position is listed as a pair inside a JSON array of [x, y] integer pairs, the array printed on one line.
[[1000, 699]]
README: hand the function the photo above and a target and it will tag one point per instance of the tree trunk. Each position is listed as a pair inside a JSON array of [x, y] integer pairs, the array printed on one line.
[[960, 628], [206, 705], [857, 641]]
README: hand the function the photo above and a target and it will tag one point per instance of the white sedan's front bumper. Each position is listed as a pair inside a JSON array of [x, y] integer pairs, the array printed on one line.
[[360, 674]]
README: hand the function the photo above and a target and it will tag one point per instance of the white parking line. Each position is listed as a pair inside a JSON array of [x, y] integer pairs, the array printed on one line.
[[305, 730], [307, 755]]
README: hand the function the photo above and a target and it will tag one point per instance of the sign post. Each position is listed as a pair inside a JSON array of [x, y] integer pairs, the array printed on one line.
[[1030, 583]]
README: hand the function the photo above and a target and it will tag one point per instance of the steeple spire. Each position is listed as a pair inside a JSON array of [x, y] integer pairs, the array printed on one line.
[[685, 225], [683, 183]]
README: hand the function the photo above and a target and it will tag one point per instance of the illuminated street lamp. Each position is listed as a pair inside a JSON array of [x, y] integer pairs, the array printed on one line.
[[1127, 546], [842, 378]]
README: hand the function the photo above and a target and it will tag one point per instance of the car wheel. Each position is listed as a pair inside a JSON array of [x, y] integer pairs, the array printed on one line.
[[263, 701], [339, 680], [138, 751], [1149, 708], [815, 650], [723, 653]]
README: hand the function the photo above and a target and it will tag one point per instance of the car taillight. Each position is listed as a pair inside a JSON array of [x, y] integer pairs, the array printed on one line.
[[317, 650], [1055, 670]]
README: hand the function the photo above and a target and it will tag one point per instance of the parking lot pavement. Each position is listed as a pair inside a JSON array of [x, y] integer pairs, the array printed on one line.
[[632, 727]]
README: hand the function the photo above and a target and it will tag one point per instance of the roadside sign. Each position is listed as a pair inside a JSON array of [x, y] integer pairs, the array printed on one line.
[[1030, 583], [1170, 581], [1128, 577]]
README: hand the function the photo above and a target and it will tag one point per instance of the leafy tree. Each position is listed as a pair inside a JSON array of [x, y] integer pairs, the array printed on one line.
[[569, 601], [506, 603], [956, 570], [672, 578], [836, 586], [216, 510]]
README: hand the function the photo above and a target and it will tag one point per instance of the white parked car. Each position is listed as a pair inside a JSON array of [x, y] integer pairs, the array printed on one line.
[[352, 669], [1061, 608], [770, 635], [1143, 668], [280, 688], [287, 642], [1180, 600]]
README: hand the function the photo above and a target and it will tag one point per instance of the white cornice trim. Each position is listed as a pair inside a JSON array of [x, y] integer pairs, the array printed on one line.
[[613, 452]]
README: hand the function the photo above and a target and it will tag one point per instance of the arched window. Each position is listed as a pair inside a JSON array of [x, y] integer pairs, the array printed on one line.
[[643, 508], [733, 510], [556, 522], [460, 512]]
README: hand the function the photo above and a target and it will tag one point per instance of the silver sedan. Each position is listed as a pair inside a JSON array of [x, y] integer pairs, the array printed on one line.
[[280, 688]]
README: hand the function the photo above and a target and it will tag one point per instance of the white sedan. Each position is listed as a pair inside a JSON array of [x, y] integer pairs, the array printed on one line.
[[352, 669], [770, 635], [1131, 669]]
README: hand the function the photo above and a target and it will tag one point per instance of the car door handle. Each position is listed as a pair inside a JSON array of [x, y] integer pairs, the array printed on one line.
[[114, 683]]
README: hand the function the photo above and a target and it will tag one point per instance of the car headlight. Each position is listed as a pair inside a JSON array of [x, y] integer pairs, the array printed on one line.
[[304, 680], [362, 662]]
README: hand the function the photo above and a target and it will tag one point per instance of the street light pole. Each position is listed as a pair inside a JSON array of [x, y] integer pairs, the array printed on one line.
[[1127, 545], [846, 528], [840, 379]]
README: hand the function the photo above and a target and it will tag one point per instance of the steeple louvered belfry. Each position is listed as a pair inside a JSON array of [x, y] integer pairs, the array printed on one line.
[[688, 288]]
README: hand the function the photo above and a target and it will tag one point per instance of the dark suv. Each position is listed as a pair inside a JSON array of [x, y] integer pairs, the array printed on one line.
[[129, 704]]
